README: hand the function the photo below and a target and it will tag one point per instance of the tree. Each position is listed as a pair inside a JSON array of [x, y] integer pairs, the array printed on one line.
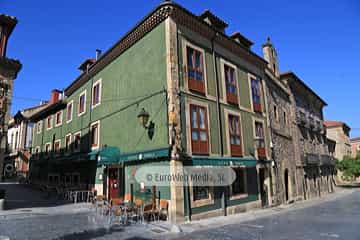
[[350, 167]]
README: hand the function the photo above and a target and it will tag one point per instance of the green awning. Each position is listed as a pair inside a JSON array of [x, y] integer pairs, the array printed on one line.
[[106, 155], [223, 161], [145, 155]]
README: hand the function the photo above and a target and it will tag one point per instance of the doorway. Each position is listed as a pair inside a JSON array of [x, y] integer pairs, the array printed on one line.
[[113, 183], [286, 181], [263, 187]]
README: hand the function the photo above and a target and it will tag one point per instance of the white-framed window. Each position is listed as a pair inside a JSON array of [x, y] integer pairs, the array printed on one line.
[[47, 148], [39, 126], [195, 68], [58, 118], [69, 111], [95, 135], [82, 103], [96, 94], [57, 146], [49, 122], [68, 142], [230, 82], [36, 150], [77, 141]]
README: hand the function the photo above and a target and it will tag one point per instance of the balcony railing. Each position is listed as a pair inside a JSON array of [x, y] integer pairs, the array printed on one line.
[[301, 117], [327, 160], [312, 159]]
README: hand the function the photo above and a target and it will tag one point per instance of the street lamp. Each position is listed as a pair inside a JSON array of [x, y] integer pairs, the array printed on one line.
[[143, 118]]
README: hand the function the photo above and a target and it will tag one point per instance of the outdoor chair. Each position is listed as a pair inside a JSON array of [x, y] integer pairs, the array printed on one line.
[[127, 198], [149, 212], [137, 211], [162, 212], [100, 203], [117, 210]]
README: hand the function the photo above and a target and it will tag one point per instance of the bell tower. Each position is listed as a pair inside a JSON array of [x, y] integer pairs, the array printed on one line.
[[270, 56]]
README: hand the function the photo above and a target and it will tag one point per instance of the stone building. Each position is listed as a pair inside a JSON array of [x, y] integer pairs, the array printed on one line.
[[281, 124], [340, 133], [9, 69], [314, 165], [20, 133], [355, 146]]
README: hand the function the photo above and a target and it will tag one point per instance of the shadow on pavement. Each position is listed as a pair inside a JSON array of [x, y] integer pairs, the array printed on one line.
[[25, 196], [90, 234]]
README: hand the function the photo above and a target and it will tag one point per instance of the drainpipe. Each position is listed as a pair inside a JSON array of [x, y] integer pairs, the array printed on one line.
[[217, 94], [224, 192]]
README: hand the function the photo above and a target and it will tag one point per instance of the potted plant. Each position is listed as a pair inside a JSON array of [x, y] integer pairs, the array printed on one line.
[[2, 199]]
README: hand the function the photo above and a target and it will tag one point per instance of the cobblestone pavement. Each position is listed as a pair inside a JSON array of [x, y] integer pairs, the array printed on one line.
[[338, 218], [334, 217]]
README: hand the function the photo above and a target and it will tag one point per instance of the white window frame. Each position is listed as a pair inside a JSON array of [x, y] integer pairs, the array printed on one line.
[[67, 135], [61, 116], [39, 126], [98, 133], [72, 111], [51, 122], [186, 44], [188, 123], [223, 62], [74, 139], [83, 93], [55, 142], [238, 114], [46, 144], [98, 82], [255, 119]]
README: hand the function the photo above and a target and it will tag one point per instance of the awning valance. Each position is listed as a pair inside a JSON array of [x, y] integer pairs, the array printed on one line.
[[111, 155], [223, 161]]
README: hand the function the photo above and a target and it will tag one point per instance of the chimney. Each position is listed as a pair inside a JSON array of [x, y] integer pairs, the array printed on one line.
[[55, 96], [240, 39], [270, 56], [98, 54], [213, 21], [86, 64]]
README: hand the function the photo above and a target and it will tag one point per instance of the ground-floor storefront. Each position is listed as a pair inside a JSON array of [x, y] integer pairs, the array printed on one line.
[[113, 175], [316, 180]]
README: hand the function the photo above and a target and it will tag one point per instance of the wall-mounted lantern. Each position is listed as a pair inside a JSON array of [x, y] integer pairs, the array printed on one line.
[[143, 118]]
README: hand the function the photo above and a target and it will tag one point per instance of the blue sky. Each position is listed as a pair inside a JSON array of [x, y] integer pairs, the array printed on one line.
[[319, 40]]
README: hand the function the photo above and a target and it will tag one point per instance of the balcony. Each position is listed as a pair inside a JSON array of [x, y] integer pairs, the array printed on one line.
[[312, 123], [260, 148], [301, 118], [312, 159], [327, 160]]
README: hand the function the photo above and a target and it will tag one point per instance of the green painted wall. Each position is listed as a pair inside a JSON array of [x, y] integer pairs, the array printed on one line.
[[137, 73]]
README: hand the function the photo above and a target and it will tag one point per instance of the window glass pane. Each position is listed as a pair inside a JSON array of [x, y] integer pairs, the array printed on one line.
[[194, 123], [202, 118], [194, 135], [237, 140], [190, 60], [203, 136], [200, 193], [198, 60]]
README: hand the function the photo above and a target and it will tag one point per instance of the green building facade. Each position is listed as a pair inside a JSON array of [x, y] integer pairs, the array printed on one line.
[[203, 92]]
